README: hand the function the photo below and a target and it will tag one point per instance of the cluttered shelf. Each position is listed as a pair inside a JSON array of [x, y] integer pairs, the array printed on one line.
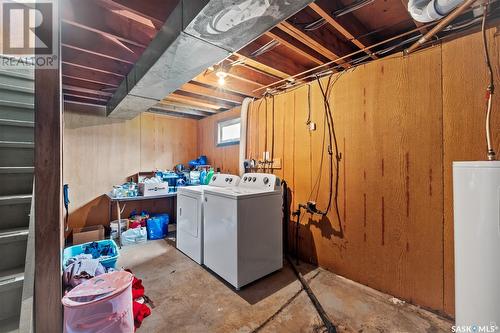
[[141, 197]]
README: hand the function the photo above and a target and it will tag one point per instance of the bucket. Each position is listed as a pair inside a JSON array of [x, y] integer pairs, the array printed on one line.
[[114, 228], [102, 304]]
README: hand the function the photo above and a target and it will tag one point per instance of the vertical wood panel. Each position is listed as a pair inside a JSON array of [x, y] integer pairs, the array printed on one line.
[[101, 152], [464, 82], [400, 123]]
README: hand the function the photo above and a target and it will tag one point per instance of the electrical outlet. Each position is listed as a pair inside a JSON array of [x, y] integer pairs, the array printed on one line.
[[276, 163], [312, 126]]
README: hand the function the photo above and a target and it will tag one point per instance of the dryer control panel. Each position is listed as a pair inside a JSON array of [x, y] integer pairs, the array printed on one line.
[[260, 181], [224, 180]]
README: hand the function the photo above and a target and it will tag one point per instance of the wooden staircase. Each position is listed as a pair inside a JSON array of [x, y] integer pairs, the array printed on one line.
[[16, 186]]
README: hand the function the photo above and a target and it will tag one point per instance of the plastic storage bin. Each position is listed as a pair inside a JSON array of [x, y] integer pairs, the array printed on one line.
[[102, 304], [75, 250]]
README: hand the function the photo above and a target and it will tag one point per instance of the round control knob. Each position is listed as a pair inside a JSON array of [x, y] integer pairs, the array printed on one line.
[[244, 179], [214, 178], [227, 180], [254, 179], [266, 180], [230, 180]]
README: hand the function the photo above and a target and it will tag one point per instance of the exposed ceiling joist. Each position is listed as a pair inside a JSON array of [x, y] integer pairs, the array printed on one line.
[[177, 110], [340, 28], [85, 73], [184, 105], [288, 42], [197, 100], [231, 85], [309, 41], [99, 44], [209, 91], [256, 65]]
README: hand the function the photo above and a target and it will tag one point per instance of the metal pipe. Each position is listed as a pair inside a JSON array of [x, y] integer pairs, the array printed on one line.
[[440, 26], [491, 87]]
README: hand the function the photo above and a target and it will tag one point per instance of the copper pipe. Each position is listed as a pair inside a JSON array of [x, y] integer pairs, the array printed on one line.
[[440, 26]]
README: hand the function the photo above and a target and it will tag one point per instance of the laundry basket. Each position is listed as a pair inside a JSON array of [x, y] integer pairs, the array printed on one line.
[[102, 304]]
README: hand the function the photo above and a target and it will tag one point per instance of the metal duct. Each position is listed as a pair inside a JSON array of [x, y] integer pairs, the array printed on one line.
[[198, 34]]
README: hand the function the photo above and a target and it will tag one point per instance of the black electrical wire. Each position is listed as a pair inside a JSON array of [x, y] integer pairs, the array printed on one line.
[[338, 156]]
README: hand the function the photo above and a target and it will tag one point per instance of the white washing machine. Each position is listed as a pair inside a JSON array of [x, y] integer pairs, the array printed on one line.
[[243, 229], [190, 204]]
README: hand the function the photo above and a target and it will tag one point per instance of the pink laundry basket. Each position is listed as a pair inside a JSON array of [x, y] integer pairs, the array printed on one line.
[[100, 305]]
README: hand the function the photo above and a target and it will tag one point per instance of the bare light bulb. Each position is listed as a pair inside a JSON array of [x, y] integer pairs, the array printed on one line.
[[222, 77]]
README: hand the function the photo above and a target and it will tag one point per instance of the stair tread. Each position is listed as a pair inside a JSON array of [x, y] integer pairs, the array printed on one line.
[[9, 325], [18, 123], [17, 169], [12, 275], [15, 199], [13, 234], [17, 104], [17, 144]]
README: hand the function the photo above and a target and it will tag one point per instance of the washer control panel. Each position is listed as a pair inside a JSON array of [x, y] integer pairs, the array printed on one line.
[[224, 180], [260, 181]]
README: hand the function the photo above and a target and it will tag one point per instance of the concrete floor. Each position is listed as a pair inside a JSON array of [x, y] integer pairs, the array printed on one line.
[[188, 298]]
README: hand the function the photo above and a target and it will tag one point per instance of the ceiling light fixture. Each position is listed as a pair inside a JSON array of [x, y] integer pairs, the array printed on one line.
[[221, 74]]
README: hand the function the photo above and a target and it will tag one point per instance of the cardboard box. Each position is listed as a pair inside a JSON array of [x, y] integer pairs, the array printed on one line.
[[88, 234], [152, 189]]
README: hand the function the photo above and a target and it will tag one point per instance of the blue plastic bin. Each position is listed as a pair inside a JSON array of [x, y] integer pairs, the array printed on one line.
[[78, 249], [157, 226]]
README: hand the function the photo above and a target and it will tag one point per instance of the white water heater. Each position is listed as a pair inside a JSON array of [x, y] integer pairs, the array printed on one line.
[[476, 194]]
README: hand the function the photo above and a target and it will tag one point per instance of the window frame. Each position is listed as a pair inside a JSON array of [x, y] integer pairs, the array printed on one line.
[[218, 128]]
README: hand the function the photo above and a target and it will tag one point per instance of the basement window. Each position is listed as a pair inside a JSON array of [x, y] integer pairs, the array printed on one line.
[[228, 132]]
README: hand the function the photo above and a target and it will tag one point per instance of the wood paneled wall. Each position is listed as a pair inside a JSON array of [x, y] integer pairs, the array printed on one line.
[[225, 157], [400, 122], [101, 152]]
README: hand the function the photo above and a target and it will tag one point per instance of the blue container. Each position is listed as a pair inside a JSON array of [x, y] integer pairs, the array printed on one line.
[[157, 226], [75, 250]]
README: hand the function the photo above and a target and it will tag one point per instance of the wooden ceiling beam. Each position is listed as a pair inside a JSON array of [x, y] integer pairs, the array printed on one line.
[[87, 84], [156, 11], [98, 44], [83, 73], [310, 42], [81, 90], [277, 34], [91, 16], [210, 91], [259, 66], [231, 85], [208, 99], [340, 28], [184, 105], [279, 58], [132, 13], [84, 100], [197, 101]]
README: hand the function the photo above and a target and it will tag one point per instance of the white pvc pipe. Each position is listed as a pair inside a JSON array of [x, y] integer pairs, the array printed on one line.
[[427, 11], [243, 133]]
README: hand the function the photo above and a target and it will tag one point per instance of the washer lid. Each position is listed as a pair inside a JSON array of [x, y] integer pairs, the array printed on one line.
[[476, 164], [241, 193]]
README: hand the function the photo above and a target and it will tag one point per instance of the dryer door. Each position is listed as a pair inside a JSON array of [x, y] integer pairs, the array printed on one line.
[[187, 215]]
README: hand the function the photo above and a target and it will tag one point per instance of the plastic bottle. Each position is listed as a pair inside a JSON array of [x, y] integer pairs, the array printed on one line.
[[210, 174], [203, 177]]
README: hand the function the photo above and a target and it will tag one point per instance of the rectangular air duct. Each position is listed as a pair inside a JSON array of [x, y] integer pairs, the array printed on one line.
[[197, 35]]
